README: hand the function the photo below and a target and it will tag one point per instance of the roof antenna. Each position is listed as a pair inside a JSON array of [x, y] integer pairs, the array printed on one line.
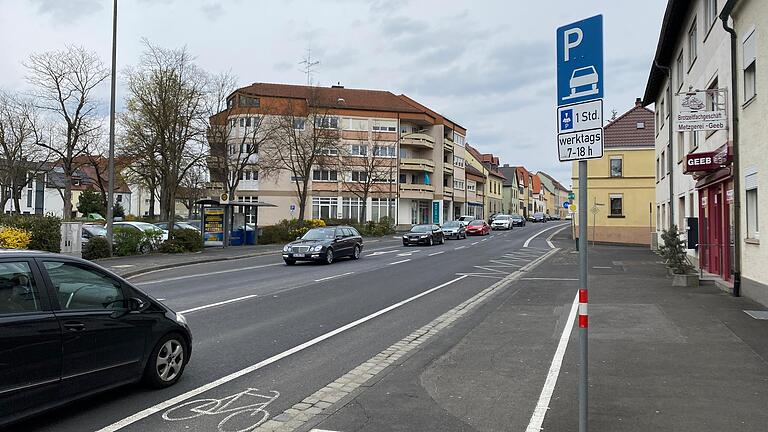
[[309, 65]]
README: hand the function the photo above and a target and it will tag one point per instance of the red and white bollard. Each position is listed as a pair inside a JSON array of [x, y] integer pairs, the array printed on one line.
[[583, 315]]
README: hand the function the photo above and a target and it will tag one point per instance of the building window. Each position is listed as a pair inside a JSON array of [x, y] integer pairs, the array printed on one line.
[[679, 69], [458, 162], [324, 175], [641, 125], [328, 151], [351, 208], [359, 150], [750, 71], [694, 140], [471, 186], [713, 101], [298, 123], [384, 151], [663, 165], [249, 174], [710, 11], [692, 38], [325, 122], [359, 176], [753, 210], [680, 147], [354, 124], [616, 166], [324, 208], [119, 198], [458, 139], [681, 214], [385, 125], [661, 112], [458, 184], [382, 207], [246, 101]]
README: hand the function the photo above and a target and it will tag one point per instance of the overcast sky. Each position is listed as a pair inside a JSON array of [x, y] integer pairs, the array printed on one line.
[[488, 65]]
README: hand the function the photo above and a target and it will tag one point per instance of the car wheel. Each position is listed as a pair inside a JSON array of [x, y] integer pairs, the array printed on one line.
[[356, 252], [442, 240], [405, 244], [167, 361], [429, 241], [329, 256], [144, 249], [290, 261]]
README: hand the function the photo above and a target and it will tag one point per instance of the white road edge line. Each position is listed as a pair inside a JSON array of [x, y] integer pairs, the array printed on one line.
[[436, 253], [399, 262], [204, 274], [527, 242], [333, 277], [549, 239], [208, 306], [225, 379], [537, 418], [549, 278]]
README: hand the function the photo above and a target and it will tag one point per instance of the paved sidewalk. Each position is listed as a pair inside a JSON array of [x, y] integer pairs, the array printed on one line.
[[662, 358]]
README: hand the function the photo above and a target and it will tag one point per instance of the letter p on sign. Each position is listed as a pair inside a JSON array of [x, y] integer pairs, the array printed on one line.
[[568, 43]]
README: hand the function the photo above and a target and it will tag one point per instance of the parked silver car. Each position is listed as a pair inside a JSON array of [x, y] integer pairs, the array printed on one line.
[[454, 229]]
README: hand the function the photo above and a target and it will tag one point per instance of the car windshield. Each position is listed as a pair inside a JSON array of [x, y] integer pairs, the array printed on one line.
[[452, 224], [501, 218], [96, 230], [320, 234], [476, 223], [421, 228], [142, 226]]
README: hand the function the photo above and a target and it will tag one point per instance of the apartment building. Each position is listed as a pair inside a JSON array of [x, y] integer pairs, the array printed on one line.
[[481, 177], [537, 196], [558, 194], [422, 180], [525, 194], [693, 54], [494, 198], [749, 19], [621, 184]]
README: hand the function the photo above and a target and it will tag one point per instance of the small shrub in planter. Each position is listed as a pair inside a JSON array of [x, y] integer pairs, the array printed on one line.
[[673, 251], [96, 248], [171, 246]]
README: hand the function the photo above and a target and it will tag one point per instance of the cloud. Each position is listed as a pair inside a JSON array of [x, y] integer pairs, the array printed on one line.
[[67, 11], [212, 11]]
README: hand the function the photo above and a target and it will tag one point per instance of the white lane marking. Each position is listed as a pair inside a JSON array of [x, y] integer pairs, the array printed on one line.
[[382, 252], [208, 306], [549, 239], [409, 253], [483, 239], [537, 418], [436, 253], [527, 242], [491, 269], [333, 277], [460, 247], [474, 243], [205, 274], [549, 278], [233, 376], [484, 275], [399, 262], [601, 267]]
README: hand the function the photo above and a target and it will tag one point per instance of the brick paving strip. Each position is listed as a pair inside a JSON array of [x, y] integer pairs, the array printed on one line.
[[303, 413]]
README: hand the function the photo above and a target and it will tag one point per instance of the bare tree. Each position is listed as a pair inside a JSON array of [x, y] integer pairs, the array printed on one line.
[[137, 147], [369, 167], [307, 137], [167, 100], [192, 188], [63, 82], [22, 156], [235, 134]]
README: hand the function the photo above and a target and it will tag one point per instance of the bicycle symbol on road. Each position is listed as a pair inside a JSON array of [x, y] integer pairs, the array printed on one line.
[[240, 418]]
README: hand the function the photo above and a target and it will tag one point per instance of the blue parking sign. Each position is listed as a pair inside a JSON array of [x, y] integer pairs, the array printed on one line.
[[566, 119], [580, 61]]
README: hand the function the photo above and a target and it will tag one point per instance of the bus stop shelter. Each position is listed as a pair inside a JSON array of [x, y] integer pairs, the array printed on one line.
[[221, 219]]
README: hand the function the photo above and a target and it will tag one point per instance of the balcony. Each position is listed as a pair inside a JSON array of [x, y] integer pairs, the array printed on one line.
[[415, 164], [448, 168], [417, 191], [448, 144], [447, 191], [420, 140]]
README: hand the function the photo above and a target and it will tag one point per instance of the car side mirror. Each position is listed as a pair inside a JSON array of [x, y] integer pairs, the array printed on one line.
[[338, 237], [298, 238], [136, 304]]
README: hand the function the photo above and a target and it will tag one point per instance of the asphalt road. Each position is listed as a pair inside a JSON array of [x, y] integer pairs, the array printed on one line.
[[259, 324]]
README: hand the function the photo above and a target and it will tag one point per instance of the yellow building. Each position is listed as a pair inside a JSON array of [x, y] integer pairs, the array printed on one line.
[[622, 184]]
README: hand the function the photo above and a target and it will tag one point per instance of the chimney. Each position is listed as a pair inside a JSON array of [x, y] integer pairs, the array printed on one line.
[[506, 165], [338, 85], [638, 102]]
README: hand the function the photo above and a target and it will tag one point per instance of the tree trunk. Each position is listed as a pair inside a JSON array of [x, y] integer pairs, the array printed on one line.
[[302, 200], [151, 212], [68, 199], [17, 203]]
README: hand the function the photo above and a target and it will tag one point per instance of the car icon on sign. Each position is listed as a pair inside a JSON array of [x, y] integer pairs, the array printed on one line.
[[584, 78]]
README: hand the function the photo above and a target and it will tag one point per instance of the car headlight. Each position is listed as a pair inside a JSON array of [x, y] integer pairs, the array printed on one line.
[[405, 236], [286, 248], [317, 248], [181, 318], [424, 236]]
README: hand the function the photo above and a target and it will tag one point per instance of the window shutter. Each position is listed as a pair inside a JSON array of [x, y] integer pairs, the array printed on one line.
[[750, 181], [749, 50]]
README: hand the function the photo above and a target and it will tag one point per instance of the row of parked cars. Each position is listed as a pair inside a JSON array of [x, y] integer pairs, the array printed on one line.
[[97, 230]]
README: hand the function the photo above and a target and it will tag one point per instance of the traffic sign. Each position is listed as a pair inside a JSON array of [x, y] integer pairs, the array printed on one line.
[[566, 204], [571, 196], [580, 61], [572, 208], [580, 116], [587, 144]]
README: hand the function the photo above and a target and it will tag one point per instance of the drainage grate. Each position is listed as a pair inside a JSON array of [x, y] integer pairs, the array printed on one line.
[[760, 315]]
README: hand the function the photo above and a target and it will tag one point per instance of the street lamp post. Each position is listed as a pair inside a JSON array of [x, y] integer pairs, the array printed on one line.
[[111, 168]]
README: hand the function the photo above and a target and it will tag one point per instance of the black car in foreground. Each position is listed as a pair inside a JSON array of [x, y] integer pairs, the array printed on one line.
[[427, 234], [324, 244], [70, 329]]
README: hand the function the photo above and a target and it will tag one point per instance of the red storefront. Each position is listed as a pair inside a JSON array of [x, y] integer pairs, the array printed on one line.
[[712, 170]]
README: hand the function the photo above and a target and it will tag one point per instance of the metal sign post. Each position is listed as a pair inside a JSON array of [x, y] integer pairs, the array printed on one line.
[[580, 81]]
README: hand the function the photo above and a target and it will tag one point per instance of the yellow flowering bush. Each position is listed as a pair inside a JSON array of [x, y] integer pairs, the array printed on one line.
[[14, 238]]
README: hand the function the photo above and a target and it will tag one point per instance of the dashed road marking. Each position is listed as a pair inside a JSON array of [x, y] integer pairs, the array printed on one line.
[[221, 303], [436, 253], [333, 277], [399, 262], [206, 274], [382, 252], [460, 247], [409, 253]]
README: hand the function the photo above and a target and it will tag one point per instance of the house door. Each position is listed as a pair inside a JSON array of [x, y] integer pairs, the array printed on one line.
[[715, 231]]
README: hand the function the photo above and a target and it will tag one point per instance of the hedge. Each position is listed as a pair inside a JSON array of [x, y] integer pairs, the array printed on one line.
[[96, 248], [45, 230]]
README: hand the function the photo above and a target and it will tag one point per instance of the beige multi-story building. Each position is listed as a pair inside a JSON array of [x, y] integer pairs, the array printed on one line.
[[420, 177]]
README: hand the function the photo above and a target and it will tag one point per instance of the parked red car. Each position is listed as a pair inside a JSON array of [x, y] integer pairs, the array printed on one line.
[[478, 227]]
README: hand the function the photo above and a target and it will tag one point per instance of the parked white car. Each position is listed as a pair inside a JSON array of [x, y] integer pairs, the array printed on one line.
[[142, 226]]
